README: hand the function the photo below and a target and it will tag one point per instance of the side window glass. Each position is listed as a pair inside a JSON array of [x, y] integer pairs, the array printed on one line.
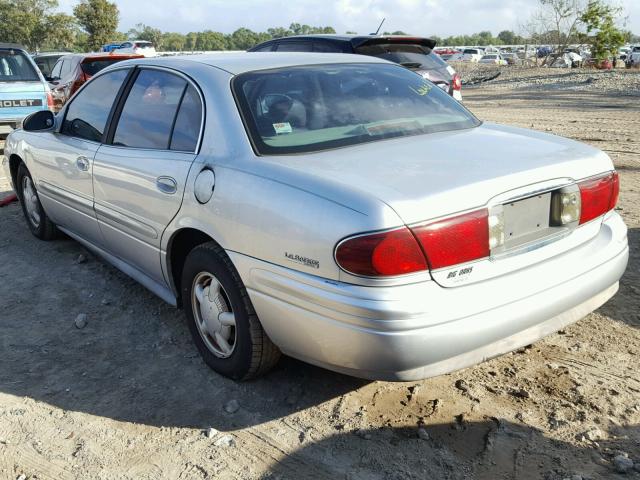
[[55, 73], [266, 48], [66, 68], [327, 47], [87, 115], [294, 47], [187, 127], [149, 111]]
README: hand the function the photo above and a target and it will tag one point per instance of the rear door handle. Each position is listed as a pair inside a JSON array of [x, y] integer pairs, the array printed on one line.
[[166, 185], [82, 163]]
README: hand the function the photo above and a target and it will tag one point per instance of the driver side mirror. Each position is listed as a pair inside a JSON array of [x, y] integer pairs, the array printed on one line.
[[39, 121]]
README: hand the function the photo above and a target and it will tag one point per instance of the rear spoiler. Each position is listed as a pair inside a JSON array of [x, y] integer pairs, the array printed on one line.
[[362, 41]]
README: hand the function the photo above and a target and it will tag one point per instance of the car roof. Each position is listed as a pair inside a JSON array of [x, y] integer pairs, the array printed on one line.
[[358, 40], [12, 46], [51, 54], [240, 62]]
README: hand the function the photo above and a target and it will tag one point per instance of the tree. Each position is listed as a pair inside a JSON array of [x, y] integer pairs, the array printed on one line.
[[99, 18], [507, 37], [556, 23], [279, 32], [602, 34], [173, 42], [34, 24], [243, 38], [147, 33]]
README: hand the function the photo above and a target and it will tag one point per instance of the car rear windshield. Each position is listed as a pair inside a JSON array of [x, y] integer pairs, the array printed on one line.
[[91, 67], [410, 55], [313, 108], [16, 67]]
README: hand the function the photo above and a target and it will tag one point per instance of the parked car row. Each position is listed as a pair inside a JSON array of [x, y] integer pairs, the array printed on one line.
[[340, 209]]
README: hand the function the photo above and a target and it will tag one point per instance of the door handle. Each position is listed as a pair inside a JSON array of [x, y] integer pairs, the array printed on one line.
[[82, 163], [166, 185]]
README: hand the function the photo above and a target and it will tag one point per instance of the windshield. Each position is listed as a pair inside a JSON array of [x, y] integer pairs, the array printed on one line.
[[143, 45], [16, 67], [409, 55], [312, 108]]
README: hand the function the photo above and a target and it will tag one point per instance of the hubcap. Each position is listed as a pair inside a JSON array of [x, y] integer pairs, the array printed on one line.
[[214, 316], [31, 201]]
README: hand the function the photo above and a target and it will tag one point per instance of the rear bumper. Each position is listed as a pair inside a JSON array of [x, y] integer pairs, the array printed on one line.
[[421, 330]]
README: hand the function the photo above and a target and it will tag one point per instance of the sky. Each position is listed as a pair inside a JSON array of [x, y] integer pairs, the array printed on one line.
[[418, 17]]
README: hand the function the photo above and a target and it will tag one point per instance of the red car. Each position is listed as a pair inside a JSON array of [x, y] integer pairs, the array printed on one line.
[[71, 71]]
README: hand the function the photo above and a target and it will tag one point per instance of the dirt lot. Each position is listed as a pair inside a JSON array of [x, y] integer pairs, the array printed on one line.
[[128, 397]]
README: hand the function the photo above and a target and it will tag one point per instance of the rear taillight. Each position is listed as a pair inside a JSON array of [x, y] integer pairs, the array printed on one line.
[[456, 239], [615, 192], [434, 245], [50, 104], [598, 196], [381, 254], [456, 82], [77, 83]]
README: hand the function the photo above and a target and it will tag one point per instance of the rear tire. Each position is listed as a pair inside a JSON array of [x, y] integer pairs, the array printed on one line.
[[221, 317], [34, 213]]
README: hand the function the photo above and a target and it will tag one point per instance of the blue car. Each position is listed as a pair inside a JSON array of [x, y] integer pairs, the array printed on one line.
[[23, 89], [110, 47]]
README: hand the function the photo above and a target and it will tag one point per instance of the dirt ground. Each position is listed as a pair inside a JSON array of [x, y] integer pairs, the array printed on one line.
[[127, 397]]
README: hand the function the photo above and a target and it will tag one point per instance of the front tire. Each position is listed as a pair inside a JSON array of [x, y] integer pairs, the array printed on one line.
[[34, 213], [221, 317]]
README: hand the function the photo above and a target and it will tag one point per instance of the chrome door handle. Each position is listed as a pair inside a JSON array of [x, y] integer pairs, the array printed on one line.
[[166, 185], [82, 163]]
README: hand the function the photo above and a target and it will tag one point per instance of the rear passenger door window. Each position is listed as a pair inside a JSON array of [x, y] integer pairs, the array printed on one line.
[[150, 110], [55, 73], [66, 68], [186, 130], [87, 114]]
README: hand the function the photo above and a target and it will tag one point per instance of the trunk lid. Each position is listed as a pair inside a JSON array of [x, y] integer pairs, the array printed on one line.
[[429, 176]]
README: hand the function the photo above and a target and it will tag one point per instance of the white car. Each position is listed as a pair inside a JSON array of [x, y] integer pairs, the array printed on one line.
[[472, 54], [493, 59], [141, 47]]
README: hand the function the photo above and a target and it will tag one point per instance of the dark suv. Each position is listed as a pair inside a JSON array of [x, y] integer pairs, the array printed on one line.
[[415, 53]]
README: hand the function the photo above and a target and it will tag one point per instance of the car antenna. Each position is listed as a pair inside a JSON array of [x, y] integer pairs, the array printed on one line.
[[379, 27]]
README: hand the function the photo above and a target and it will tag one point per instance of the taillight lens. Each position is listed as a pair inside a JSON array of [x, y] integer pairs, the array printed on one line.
[[456, 82], [456, 239], [598, 196], [381, 254], [615, 192], [434, 245], [50, 103]]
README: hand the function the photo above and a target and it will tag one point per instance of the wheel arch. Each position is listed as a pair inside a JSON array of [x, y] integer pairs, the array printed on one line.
[[14, 164], [180, 244]]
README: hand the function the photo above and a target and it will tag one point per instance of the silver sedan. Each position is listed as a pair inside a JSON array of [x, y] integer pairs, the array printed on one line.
[[338, 209]]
